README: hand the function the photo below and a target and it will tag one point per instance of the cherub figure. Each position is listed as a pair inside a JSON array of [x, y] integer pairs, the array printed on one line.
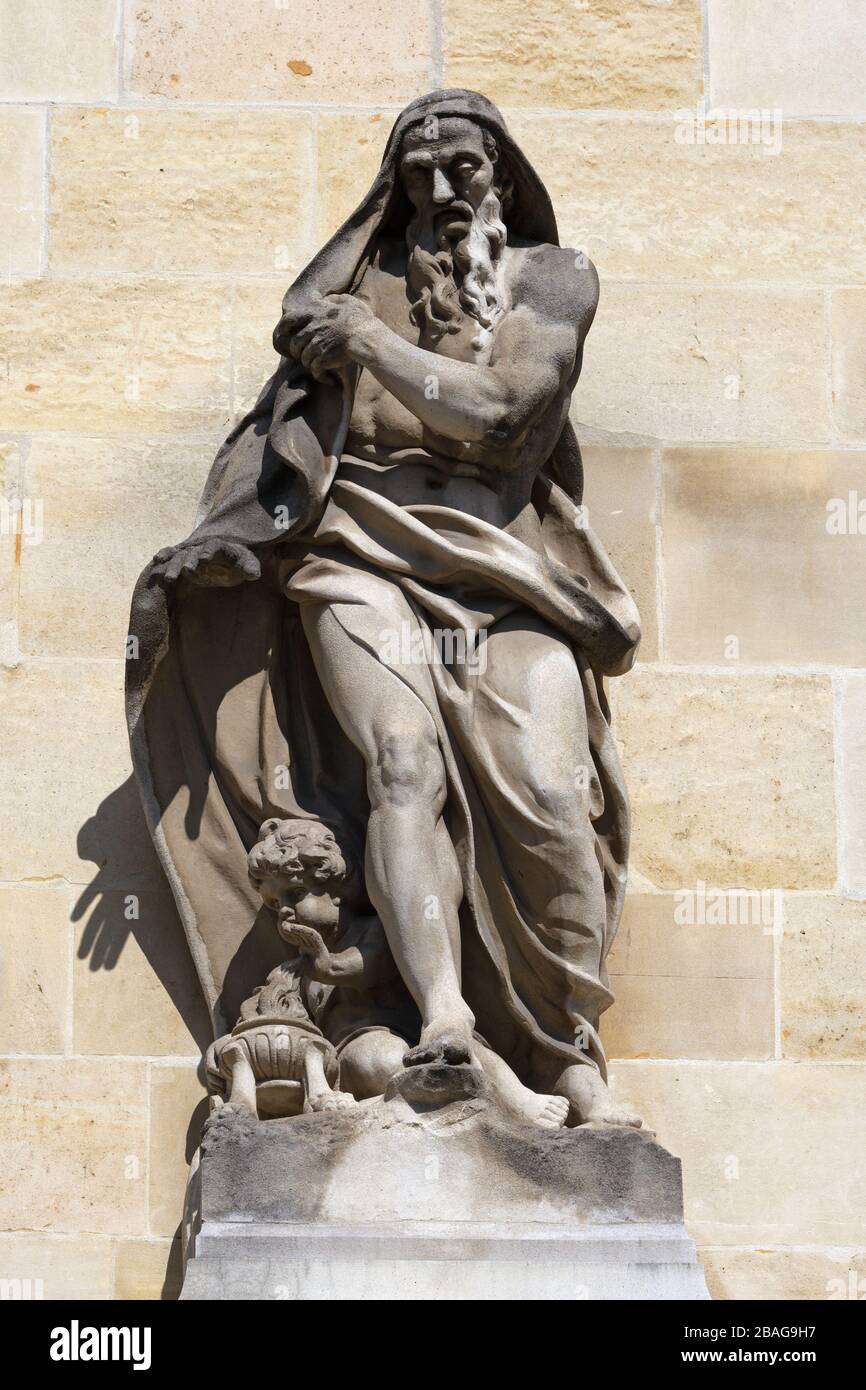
[[349, 980]]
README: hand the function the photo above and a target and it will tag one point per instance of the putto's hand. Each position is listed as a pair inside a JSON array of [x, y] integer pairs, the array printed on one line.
[[307, 940], [216, 563]]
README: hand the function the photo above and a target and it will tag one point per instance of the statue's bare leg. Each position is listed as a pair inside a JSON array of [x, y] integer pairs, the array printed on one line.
[[411, 872], [368, 1062], [241, 1091], [317, 1092], [531, 669], [549, 1111], [591, 1101]]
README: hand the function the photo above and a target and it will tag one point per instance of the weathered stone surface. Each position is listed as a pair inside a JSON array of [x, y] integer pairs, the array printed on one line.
[[784, 1274], [745, 515], [687, 988], [128, 975], [620, 497], [34, 982], [81, 703], [75, 584], [642, 201], [264, 51], [853, 761], [437, 1084], [101, 355], [156, 190], [349, 147], [22, 164], [730, 777], [848, 328], [56, 1267], [594, 1175], [147, 1269], [464, 1199], [566, 55], [12, 535], [805, 58], [687, 365], [176, 1114], [73, 1145], [60, 50], [738, 1126], [823, 978]]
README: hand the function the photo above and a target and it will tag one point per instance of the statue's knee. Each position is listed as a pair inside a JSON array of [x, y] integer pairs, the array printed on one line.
[[408, 770], [369, 1061]]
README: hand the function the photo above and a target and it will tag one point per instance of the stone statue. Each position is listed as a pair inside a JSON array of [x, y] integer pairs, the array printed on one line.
[[383, 645]]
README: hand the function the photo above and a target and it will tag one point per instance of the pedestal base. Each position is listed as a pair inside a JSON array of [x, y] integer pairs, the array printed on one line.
[[403, 1199]]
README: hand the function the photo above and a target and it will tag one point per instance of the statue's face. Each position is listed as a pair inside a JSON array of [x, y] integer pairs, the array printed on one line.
[[447, 173]]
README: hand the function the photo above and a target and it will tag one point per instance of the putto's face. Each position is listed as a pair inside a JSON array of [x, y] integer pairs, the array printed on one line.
[[447, 173]]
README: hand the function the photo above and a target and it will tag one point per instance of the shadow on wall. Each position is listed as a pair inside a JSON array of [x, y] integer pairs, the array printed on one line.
[[128, 896]]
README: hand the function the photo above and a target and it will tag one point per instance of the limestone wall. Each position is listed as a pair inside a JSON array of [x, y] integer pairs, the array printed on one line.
[[166, 169]]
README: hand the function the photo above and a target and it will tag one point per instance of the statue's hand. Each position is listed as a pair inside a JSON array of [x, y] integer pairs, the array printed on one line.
[[217, 563], [307, 940], [328, 334]]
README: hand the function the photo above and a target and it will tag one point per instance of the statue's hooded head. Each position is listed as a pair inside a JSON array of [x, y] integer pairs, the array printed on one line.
[[455, 185]]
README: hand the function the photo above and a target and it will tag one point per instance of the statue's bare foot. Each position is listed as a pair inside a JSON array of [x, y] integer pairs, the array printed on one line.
[[445, 1039], [550, 1112], [591, 1102], [329, 1100]]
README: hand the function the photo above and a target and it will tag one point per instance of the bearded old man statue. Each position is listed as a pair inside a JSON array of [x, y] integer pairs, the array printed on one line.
[[409, 470]]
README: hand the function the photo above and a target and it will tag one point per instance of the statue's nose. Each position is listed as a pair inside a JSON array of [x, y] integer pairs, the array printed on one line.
[[442, 190]]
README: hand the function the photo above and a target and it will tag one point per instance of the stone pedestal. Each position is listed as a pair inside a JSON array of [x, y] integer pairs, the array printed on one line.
[[423, 1196]]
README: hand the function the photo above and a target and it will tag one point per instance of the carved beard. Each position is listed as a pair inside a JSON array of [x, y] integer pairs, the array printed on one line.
[[454, 281]]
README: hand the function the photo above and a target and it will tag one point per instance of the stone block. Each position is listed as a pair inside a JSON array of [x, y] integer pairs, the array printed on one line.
[[165, 191], [848, 329], [59, 50], [147, 1269], [620, 496], [852, 761], [805, 58], [823, 978], [575, 55], [772, 1152], [102, 356], [427, 1196], [688, 988], [650, 197], [55, 1267], [22, 171], [730, 779], [64, 733], [73, 1145], [108, 505], [266, 52], [757, 567], [176, 1115], [35, 975], [677, 364]]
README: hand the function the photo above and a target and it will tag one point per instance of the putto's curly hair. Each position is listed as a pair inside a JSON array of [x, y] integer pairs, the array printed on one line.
[[300, 852]]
